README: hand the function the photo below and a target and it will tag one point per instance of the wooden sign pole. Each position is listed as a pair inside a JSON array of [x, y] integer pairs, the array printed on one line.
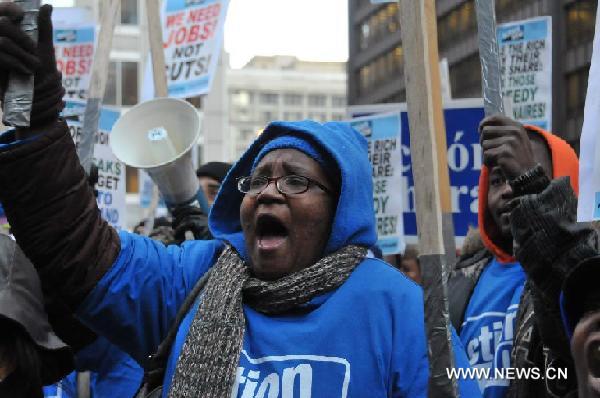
[[155, 34], [418, 22], [440, 137], [110, 12]]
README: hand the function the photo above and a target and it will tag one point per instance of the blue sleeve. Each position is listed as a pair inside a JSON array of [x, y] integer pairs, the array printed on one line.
[[136, 301], [410, 348], [114, 372], [410, 367], [467, 388]]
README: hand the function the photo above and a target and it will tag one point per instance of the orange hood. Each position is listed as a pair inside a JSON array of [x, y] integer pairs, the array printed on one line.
[[564, 163]]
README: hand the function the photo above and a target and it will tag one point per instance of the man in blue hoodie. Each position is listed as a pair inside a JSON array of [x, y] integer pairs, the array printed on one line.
[[284, 302]]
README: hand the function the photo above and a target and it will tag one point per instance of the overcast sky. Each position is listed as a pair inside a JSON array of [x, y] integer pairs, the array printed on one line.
[[309, 29]]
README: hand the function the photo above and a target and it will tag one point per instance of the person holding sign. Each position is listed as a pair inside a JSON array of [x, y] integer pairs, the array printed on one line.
[[500, 300], [560, 257], [283, 302]]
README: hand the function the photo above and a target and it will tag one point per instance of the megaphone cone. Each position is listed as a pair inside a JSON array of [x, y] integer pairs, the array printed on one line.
[[158, 136]]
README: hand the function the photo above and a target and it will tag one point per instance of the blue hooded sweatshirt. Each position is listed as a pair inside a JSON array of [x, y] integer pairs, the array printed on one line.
[[364, 339], [112, 373]]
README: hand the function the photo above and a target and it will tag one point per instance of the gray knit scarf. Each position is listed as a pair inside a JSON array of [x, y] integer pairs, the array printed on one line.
[[210, 355]]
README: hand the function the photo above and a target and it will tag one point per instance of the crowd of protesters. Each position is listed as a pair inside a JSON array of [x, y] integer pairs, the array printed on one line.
[[282, 291]]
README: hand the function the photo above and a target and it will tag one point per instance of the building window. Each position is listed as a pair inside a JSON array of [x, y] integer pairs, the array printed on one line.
[[506, 9], [457, 24], [363, 79], [338, 101], [269, 98], [576, 86], [386, 67], [129, 12], [247, 134], [292, 99], [580, 22], [131, 179], [121, 84], [241, 113], [465, 78], [241, 97], [317, 100], [290, 116], [317, 116], [337, 116], [267, 117], [378, 25], [129, 83]]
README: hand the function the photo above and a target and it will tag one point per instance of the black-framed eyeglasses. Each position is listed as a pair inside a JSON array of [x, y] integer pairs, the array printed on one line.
[[287, 185]]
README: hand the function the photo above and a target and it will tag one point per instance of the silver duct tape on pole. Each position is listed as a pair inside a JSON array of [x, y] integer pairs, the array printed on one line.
[[437, 318], [449, 240], [490, 60], [91, 116], [18, 97]]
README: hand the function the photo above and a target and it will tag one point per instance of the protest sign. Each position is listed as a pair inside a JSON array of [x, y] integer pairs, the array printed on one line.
[[74, 33], [588, 207], [462, 119], [383, 132], [111, 172], [525, 50], [192, 35]]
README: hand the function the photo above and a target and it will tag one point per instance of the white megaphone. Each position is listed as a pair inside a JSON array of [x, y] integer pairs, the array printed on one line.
[[158, 136]]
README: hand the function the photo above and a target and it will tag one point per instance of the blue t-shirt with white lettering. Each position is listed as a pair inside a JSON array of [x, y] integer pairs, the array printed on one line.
[[488, 328]]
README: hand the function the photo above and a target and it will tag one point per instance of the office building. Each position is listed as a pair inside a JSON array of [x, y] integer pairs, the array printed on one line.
[[375, 64]]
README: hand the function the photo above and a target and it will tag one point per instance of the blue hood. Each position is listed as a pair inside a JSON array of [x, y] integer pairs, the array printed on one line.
[[354, 221]]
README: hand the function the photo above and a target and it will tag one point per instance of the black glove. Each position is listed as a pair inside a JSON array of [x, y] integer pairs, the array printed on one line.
[[19, 54], [190, 218]]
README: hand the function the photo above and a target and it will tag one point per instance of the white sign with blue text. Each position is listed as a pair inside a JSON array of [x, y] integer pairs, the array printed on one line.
[[384, 133], [525, 50], [111, 172]]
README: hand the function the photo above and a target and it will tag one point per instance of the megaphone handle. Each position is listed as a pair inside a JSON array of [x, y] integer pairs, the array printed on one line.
[[151, 210], [189, 235]]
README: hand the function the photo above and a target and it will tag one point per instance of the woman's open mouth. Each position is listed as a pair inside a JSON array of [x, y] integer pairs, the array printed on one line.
[[271, 233]]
